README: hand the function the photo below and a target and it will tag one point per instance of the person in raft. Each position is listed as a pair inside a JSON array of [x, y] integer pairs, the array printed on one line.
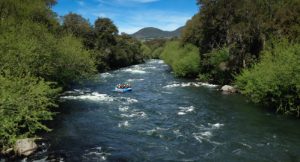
[[123, 86]]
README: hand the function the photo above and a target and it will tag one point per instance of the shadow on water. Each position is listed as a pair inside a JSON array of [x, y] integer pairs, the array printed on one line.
[[164, 119]]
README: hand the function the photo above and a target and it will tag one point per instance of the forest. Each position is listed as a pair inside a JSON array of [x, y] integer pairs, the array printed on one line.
[[253, 45], [42, 54]]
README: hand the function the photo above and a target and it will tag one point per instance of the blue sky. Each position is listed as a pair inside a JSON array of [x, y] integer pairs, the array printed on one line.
[[132, 15]]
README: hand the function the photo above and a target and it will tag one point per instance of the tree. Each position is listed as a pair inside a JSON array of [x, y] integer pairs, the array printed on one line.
[[275, 80], [76, 24], [24, 104], [105, 32], [80, 28]]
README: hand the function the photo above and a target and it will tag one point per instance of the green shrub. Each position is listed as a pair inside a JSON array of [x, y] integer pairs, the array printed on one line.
[[73, 63], [218, 66], [184, 60], [24, 103], [157, 52], [146, 51], [37, 52], [275, 80]]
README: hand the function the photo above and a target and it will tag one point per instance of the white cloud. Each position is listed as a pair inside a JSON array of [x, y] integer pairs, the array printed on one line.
[[131, 18], [165, 20]]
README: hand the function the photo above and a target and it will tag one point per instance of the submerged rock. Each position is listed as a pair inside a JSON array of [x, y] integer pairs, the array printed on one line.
[[25, 147], [228, 89]]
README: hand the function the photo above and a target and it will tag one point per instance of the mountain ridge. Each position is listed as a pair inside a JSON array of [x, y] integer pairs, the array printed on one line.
[[153, 33]]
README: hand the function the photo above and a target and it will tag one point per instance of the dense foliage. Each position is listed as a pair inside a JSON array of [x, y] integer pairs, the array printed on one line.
[[25, 102], [275, 80], [243, 27], [39, 53], [153, 48], [109, 49], [234, 35], [40, 56], [184, 60]]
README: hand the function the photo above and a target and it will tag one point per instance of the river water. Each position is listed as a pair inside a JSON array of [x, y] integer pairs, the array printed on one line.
[[164, 119]]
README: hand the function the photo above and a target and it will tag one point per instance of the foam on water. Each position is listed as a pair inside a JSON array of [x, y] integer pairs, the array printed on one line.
[[105, 75], [208, 85], [150, 67], [94, 96], [216, 126], [203, 136], [177, 133], [190, 84], [127, 100], [160, 61], [133, 114], [123, 124], [95, 153], [133, 80], [157, 131], [185, 110], [123, 108], [206, 133], [153, 61], [135, 71]]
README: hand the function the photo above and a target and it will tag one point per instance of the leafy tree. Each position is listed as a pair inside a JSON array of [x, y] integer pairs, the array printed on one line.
[[24, 104], [243, 27], [156, 47], [37, 11], [184, 60], [37, 52], [80, 28], [275, 81], [105, 32], [76, 24]]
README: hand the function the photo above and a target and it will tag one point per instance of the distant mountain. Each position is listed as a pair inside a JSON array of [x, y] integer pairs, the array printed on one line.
[[152, 33]]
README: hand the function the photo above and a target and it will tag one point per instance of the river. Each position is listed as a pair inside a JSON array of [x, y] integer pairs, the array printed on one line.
[[164, 119]]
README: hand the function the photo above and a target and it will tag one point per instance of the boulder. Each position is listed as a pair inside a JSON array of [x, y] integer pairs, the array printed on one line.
[[7, 151], [25, 147], [228, 89]]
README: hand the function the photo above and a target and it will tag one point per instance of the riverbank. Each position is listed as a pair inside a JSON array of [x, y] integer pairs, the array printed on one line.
[[272, 81]]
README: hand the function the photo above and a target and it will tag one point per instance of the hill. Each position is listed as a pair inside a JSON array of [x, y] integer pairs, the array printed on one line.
[[152, 33]]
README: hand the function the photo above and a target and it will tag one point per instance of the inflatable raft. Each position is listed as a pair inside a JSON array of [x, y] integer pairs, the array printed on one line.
[[122, 90]]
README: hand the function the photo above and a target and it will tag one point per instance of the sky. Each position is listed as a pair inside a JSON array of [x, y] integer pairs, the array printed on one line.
[[132, 15]]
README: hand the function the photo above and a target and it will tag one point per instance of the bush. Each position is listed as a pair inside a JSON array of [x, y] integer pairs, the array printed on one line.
[[184, 60], [217, 67], [24, 104], [73, 63], [146, 51], [37, 52], [157, 52], [275, 80]]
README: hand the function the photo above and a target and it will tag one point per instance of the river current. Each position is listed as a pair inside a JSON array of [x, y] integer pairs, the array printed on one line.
[[164, 119]]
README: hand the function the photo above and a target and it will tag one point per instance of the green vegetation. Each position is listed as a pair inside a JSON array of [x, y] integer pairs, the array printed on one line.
[[25, 102], [275, 80], [232, 37], [109, 49], [184, 60], [39, 57], [154, 47]]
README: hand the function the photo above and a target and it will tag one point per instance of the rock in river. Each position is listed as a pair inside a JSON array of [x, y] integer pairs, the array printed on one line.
[[228, 89], [25, 147]]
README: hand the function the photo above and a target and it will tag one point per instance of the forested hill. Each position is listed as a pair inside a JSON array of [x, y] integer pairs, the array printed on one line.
[[152, 33]]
